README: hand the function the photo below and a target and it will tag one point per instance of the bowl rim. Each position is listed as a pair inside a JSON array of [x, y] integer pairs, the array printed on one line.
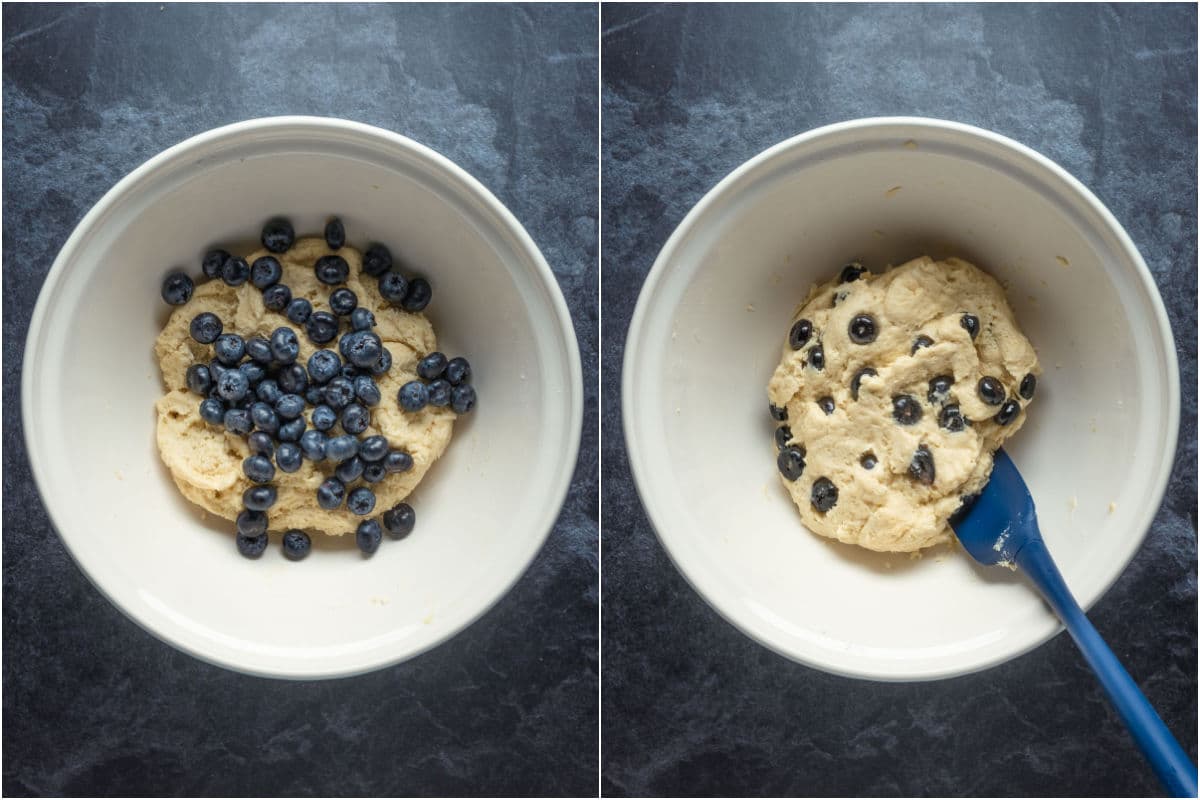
[[635, 341], [438, 164]]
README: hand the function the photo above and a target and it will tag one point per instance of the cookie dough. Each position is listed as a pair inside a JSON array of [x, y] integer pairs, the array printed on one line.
[[870, 446], [206, 462]]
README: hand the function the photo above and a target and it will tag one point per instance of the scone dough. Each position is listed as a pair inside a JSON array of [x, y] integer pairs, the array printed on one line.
[[885, 507], [206, 461]]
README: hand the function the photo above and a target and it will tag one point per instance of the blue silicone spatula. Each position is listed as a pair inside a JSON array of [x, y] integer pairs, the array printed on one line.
[[1001, 528]]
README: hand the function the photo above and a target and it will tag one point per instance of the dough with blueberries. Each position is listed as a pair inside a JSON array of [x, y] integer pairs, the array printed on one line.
[[893, 392], [205, 461]]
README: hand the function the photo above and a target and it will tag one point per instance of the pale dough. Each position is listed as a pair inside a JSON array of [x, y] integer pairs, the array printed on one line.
[[206, 461], [885, 508]]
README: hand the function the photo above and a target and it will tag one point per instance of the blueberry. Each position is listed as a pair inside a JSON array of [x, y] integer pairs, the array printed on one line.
[[277, 235], [238, 420], [906, 410], [335, 234], [816, 358], [259, 350], [1008, 412], [285, 346], [277, 297], [288, 456], [289, 406], [778, 413], [292, 379], [400, 520], [862, 329], [292, 431], [323, 365], [261, 444], [361, 501], [323, 417], [296, 545], [790, 462], [368, 536], [800, 333], [349, 470], [229, 349], [921, 467], [339, 393], [374, 473], [265, 271], [331, 270], [235, 271], [355, 419], [462, 399], [177, 288], [265, 418], [233, 385], [259, 498], [458, 371], [868, 461], [259, 469], [212, 411], [377, 260], [939, 388], [373, 448], [363, 349], [322, 327], [991, 391], [330, 493], [439, 393], [361, 319], [951, 418], [340, 448], [367, 391], [824, 494], [314, 395], [206, 327], [850, 273], [343, 302], [783, 434], [1028, 386], [254, 372], [393, 287], [199, 379], [413, 396], [312, 445], [349, 372], [252, 546], [431, 366], [397, 461], [268, 391], [919, 342], [212, 263], [299, 310], [971, 323], [419, 295], [384, 363], [856, 381], [216, 369]]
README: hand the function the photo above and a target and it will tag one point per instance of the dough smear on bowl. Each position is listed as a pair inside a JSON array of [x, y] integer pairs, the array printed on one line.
[[893, 392]]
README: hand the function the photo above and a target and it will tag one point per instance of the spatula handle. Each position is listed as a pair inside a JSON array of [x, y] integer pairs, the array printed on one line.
[[1166, 757]]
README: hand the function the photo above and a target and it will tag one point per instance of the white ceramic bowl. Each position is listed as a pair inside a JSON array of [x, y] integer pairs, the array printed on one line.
[[90, 381], [1096, 451]]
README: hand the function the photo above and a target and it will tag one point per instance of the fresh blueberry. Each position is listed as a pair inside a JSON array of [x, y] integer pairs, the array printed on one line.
[[374, 473], [343, 302], [921, 467], [349, 470], [340, 448], [265, 271], [254, 372], [216, 369], [458, 371], [277, 235], [432, 366], [212, 411], [296, 545], [285, 345], [299, 310], [292, 431], [377, 260], [235, 271], [919, 342], [199, 380], [439, 393], [368, 536], [212, 263], [252, 546], [393, 287], [335, 234], [349, 372], [951, 418], [339, 393], [265, 418], [413, 396], [233, 386], [177, 288], [373, 448], [367, 391], [292, 379], [288, 456], [261, 444], [419, 295], [361, 501], [259, 469], [783, 434], [800, 333], [1028, 386], [397, 461], [856, 381], [289, 406], [229, 349], [862, 329], [827, 405], [384, 363], [939, 388], [462, 399], [312, 445], [400, 520], [323, 417], [816, 358], [268, 391], [778, 413], [238, 420], [314, 395], [824, 495], [991, 391], [331, 270], [277, 297], [206, 327], [906, 410], [259, 498], [971, 323], [363, 348], [355, 419], [323, 365], [322, 327], [868, 461], [330, 493], [1008, 412], [361, 319], [790, 462], [850, 273]]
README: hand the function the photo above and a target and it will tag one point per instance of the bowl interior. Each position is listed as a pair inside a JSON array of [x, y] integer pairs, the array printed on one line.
[[91, 381], [1096, 450]]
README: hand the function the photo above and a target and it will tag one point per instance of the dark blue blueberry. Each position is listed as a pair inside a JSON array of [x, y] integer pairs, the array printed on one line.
[[229, 349], [335, 234], [851, 272], [265, 271], [235, 271], [800, 333], [921, 467], [1008, 412], [285, 346], [343, 302], [212, 411], [939, 388], [206, 327], [322, 327], [413, 396], [919, 342], [868, 461], [216, 369], [254, 372], [277, 297], [289, 406], [299, 310], [259, 498], [374, 473], [259, 469], [361, 501], [265, 418], [816, 357], [259, 350], [315, 395], [384, 363], [361, 348], [377, 260], [778, 413], [826, 403], [361, 319], [238, 420], [462, 399], [323, 417], [783, 435], [862, 329], [288, 456], [400, 520], [233, 385], [340, 448], [856, 381], [373, 448], [331, 270], [292, 379], [252, 546], [177, 288], [312, 444], [458, 371], [906, 409], [199, 379], [439, 393], [323, 366], [355, 419], [951, 418], [296, 545], [292, 431], [824, 495], [393, 287], [790, 462], [991, 391], [268, 391], [277, 235], [349, 372], [349, 470], [367, 391], [261, 444], [431, 366], [971, 323], [419, 295], [212, 263], [330, 493], [397, 461], [1028, 386], [339, 393], [368, 536]]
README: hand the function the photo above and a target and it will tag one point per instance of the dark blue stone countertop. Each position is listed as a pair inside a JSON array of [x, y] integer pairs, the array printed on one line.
[[690, 705], [95, 705]]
